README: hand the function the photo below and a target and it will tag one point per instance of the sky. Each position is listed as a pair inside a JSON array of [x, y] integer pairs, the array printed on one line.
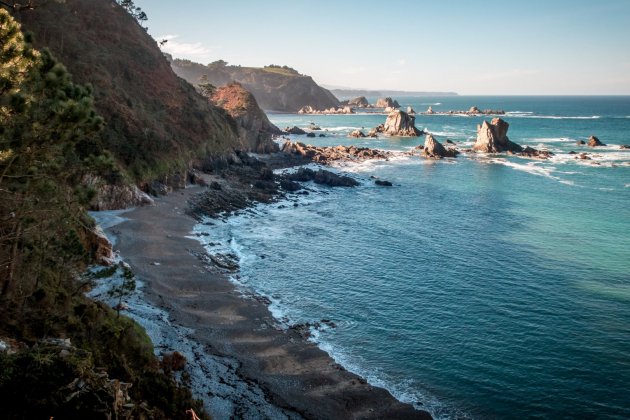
[[552, 47]]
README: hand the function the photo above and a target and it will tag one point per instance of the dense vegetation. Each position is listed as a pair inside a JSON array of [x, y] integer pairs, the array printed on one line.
[[69, 356]]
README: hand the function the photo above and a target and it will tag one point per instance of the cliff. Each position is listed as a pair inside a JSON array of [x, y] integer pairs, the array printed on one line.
[[254, 128], [155, 121], [275, 88]]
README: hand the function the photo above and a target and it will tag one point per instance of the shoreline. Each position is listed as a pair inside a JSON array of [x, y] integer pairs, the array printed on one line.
[[293, 374]]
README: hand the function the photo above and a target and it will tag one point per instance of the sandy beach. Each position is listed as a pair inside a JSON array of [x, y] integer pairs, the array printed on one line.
[[296, 378]]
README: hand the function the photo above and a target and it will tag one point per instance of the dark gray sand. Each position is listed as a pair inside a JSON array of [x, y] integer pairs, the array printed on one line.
[[289, 376]]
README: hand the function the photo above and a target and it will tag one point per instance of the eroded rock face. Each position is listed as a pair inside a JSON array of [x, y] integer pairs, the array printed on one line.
[[594, 142], [254, 128], [387, 103], [492, 138], [401, 124], [435, 150], [100, 247], [115, 197]]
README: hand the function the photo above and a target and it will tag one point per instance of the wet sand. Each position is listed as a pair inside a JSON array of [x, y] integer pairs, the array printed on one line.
[[294, 374]]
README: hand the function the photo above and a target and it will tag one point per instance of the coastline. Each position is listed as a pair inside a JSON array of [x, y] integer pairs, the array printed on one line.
[[293, 374]]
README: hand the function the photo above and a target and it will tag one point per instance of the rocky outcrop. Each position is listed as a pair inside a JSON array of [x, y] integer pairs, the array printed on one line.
[[100, 247], [386, 103], [580, 143], [594, 142], [530, 152], [275, 88], [114, 196], [331, 154], [400, 124], [359, 102], [294, 130], [322, 177], [411, 111], [330, 111], [255, 131], [492, 138], [430, 111], [433, 149], [624, 146], [357, 134]]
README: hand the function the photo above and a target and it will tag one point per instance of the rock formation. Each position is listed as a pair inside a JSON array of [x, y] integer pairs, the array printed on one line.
[[322, 177], [434, 150], [530, 152], [357, 134], [338, 110], [492, 138], [359, 102], [399, 123], [294, 130], [332, 154], [594, 142], [254, 128], [386, 103], [411, 111], [430, 111], [473, 110]]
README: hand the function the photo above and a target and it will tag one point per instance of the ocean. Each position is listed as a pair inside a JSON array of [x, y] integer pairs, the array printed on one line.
[[476, 287]]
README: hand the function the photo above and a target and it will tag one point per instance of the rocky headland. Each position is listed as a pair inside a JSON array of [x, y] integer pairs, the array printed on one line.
[[276, 88]]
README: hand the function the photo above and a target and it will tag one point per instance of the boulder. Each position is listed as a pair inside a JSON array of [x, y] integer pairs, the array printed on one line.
[[492, 138], [357, 134], [434, 150], [311, 135], [387, 103], [430, 110], [411, 111], [594, 142], [383, 183], [474, 110], [359, 102], [401, 124], [624, 146], [294, 130], [580, 143]]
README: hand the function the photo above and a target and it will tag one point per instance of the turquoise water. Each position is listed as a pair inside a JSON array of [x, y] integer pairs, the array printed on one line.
[[480, 287]]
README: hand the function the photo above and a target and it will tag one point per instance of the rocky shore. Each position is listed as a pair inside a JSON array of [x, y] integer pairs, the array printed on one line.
[[272, 371]]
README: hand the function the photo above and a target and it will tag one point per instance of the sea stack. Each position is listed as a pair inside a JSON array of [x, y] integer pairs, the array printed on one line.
[[492, 138], [387, 103], [399, 123], [435, 150]]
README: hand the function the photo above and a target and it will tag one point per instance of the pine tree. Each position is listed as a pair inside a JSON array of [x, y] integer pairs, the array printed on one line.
[[47, 130]]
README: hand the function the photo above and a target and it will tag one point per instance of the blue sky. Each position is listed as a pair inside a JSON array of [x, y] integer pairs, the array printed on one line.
[[470, 47]]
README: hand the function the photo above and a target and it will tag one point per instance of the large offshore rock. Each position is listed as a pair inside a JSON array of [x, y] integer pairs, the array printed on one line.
[[435, 150], [399, 123], [492, 138]]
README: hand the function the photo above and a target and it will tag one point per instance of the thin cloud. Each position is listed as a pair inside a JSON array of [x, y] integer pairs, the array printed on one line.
[[402, 62], [194, 51]]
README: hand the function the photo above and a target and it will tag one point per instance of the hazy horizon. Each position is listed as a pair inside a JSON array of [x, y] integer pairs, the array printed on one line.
[[485, 48]]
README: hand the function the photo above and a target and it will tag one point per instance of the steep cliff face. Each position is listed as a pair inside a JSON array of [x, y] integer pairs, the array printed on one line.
[[275, 89], [254, 128], [155, 122]]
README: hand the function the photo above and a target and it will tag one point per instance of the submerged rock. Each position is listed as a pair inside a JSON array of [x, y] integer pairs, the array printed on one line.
[[530, 152], [383, 183], [492, 138]]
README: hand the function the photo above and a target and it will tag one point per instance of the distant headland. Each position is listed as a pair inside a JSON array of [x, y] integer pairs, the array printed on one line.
[[347, 93]]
